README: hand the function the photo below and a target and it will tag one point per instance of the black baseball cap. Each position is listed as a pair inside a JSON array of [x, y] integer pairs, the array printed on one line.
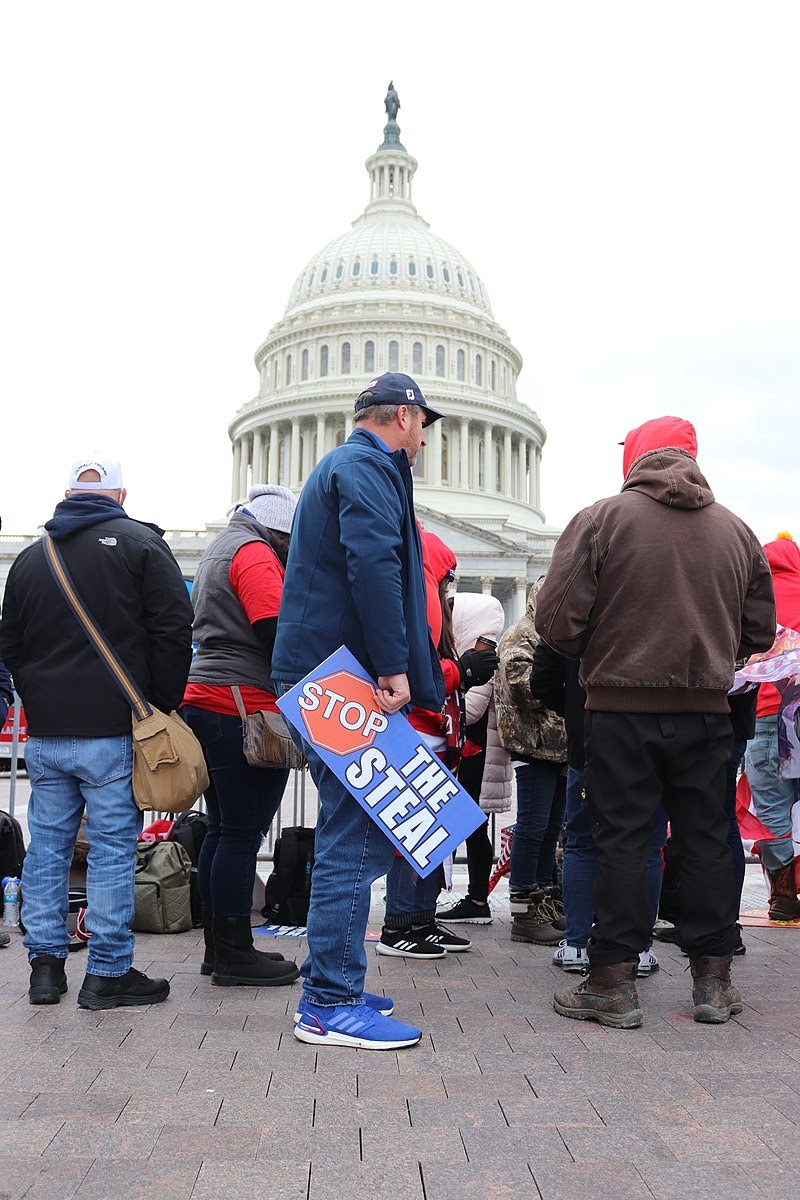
[[393, 388]]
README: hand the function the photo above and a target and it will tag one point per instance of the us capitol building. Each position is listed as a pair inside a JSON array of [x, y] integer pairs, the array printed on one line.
[[391, 295]]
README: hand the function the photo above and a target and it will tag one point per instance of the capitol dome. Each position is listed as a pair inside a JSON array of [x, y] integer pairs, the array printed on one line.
[[391, 295]]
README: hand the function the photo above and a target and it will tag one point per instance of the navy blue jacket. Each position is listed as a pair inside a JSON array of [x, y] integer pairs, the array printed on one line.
[[354, 575]]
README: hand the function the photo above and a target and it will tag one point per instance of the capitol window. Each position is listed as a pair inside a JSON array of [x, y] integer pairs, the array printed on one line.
[[478, 370], [393, 267], [416, 358], [369, 357], [460, 279], [282, 461], [412, 267], [339, 270], [356, 268], [323, 361], [288, 368], [304, 366], [460, 366], [345, 367], [394, 356], [492, 374], [324, 275], [374, 267], [429, 270], [445, 460], [440, 361], [310, 283], [446, 274]]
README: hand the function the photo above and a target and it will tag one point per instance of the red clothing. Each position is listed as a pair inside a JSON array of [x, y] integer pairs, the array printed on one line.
[[783, 557], [657, 435], [256, 577], [437, 560]]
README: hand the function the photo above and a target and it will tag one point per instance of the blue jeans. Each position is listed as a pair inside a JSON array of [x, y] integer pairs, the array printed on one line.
[[241, 802], [67, 774], [350, 853], [540, 815], [773, 797], [410, 900], [580, 863]]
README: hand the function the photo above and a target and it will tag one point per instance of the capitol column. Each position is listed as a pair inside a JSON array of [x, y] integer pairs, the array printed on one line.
[[487, 583], [488, 458], [237, 458], [258, 456], [294, 455], [538, 492], [531, 471], [507, 485], [321, 447], [520, 597], [464, 447], [243, 465], [521, 480], [348, 425], [434, 472], [273, 452]]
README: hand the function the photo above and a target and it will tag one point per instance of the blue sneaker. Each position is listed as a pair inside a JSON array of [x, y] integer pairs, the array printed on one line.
[[381, 1004], [353, 1025]]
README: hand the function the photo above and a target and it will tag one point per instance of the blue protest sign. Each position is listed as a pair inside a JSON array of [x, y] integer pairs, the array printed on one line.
[[382, 761]]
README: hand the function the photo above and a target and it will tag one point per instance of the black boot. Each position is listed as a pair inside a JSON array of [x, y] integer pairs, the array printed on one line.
[[207, 965], [121, 991], [48, 980], [237, 963], [715, 998]]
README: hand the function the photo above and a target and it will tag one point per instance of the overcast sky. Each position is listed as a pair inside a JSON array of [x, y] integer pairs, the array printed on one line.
[[623, 176]]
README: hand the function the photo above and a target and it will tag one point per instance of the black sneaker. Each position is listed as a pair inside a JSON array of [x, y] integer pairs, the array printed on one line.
[[449, 941], [48, 980], [123, 991], [410, 943], [467, 912]]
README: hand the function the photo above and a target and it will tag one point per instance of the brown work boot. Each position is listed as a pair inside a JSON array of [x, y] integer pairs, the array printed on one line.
[[783, 902], [533, 921], [714, 997], [607, 995]]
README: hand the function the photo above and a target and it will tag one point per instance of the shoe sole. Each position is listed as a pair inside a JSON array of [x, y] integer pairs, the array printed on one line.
[[49, 995], [464, 920], [346, 1039], [456, 949], [96, 1003], [391, 952], [524, 937], [631, 1020], [707, 1015], [244, 981], [643, 972], [572, 968]]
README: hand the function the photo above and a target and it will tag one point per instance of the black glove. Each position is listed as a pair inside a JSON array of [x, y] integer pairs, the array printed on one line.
[[477, 666]]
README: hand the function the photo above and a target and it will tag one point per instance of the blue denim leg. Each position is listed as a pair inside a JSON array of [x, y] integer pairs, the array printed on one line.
[[773, 797], [410, 900], [580, 863], [537, 792], [241, 803], [67, 773], [547, 851], [351, 852]]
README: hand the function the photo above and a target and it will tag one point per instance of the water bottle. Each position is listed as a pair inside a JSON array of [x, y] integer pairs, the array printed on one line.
[[11, 901]]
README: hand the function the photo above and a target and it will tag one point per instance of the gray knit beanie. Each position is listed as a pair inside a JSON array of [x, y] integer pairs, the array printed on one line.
[[272, 505]]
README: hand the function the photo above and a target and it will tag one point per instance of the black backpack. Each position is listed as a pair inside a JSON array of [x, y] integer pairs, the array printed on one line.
[[288, 889], [189, 830], [12, 849]]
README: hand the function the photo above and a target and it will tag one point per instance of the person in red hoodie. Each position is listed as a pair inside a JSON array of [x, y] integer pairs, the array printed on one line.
[[410, 929], [773, 796], [657, 590]]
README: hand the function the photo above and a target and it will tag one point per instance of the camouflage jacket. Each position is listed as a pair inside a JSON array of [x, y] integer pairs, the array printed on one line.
[[526, 727]]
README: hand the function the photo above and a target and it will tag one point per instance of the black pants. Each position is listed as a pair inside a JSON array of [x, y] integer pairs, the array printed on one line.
[[480, 852], [634, 762]]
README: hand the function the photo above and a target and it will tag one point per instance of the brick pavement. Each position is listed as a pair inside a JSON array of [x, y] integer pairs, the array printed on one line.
[[210, 1095]]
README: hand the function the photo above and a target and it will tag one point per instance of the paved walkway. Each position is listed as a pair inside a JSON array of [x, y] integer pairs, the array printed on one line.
[[209, 1095]]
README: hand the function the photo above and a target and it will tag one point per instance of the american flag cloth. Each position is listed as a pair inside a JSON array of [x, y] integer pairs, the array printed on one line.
[[503, 865], [754, 831]]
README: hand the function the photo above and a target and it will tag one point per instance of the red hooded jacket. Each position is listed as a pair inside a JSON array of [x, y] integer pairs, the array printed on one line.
[[783, 557]]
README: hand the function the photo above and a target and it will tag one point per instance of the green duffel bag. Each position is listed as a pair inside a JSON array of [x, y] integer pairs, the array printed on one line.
[[162, 892]]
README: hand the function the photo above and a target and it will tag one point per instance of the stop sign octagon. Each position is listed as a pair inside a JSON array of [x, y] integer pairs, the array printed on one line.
[[340, 713]]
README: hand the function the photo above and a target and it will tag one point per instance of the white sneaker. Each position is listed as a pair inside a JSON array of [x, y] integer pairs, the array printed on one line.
[[570, 958], [647, 964]]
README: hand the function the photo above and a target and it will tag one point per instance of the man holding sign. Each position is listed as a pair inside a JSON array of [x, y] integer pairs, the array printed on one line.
[[354, 577]]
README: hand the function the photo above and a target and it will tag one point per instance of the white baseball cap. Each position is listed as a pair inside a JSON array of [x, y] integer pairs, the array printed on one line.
[[107, 468]]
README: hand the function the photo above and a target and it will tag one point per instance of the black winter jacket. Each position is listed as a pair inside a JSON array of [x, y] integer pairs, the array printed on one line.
[[133, 587]]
